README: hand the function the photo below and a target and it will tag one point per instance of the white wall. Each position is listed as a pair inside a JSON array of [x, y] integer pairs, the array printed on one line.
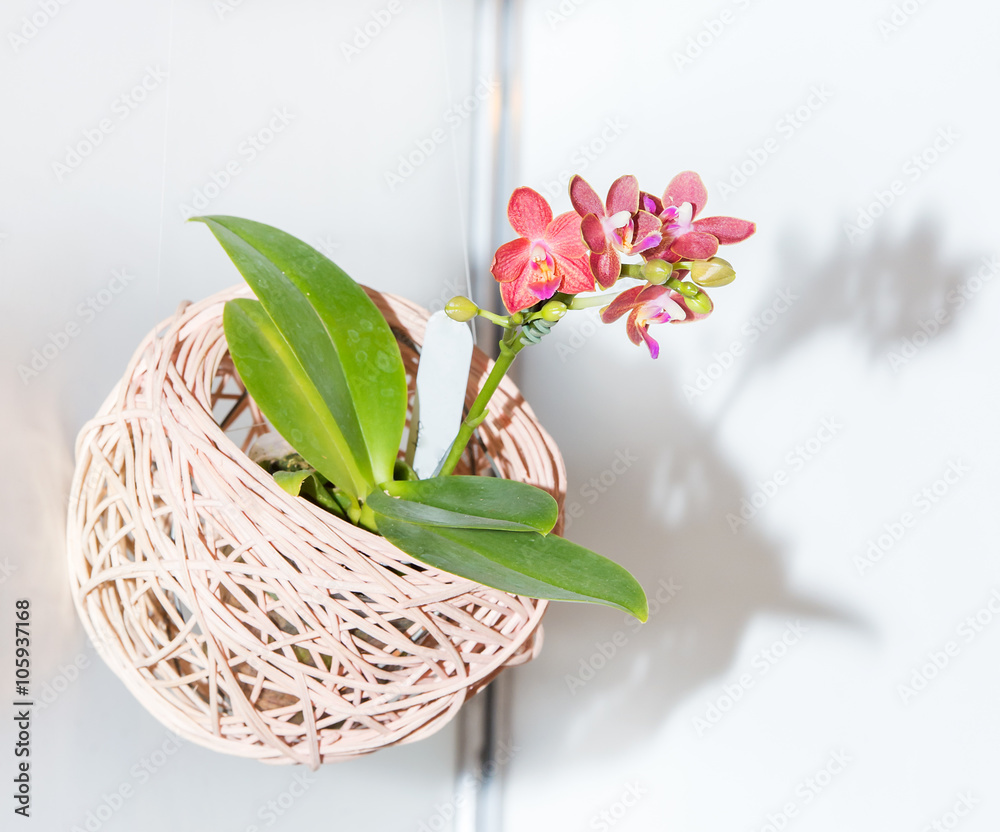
[[877, 97], [899, 426]]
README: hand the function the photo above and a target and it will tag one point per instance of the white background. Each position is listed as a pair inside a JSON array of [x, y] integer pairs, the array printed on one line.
[[833, 101]]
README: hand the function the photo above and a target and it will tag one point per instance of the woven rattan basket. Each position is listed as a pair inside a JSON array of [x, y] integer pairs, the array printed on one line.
[[250, 621]]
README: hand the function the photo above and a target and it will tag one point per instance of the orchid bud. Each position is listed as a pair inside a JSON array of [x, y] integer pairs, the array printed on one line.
[[553, 311], [461, 309], [714, 272], [682, 287], [657, 271], [700, 304]]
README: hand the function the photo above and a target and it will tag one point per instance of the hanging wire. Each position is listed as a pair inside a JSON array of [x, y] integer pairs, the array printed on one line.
[[462, 219]]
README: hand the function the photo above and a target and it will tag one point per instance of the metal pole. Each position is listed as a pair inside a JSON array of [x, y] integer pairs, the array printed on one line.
[[484, 723]]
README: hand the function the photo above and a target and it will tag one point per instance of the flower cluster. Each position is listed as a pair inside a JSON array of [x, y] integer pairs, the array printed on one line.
[[347, 436], [556, 258]]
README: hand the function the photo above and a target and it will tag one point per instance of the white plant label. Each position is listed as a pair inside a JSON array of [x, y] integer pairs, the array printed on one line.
[[442, 379]]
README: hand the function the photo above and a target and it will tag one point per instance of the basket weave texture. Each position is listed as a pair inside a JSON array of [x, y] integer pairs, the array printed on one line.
[[248, 620]]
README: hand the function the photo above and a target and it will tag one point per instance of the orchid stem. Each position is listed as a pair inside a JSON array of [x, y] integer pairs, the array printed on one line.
[[499, 320], [509, 348]]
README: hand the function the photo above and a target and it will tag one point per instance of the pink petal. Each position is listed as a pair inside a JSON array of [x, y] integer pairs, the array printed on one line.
[[648, 202], [670, 310], [646, 243], [686, 187], [647, 232], [584, 198], [726, 229], [661, 251], [517, 296], [620, 305], [654, 348], [576, 274], [632, 330], [695, 245], [510, 260], [592, 230], [563, 236], [529, 213], [544, 289], [650, 292], [606, 267], [623, 195]]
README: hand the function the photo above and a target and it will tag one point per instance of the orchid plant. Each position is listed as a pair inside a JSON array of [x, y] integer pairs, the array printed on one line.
[[324, 368]]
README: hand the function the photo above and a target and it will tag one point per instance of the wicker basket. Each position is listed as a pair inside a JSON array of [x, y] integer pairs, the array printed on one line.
[[250, 621]]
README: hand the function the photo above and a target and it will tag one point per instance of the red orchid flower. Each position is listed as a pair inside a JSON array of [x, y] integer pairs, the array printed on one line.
[[687, 238], [612, 227], [645, 305], [548, 257]]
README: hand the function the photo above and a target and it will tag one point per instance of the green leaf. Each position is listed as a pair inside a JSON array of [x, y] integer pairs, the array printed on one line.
[[521, 563], [424, 515], [312, 486], [291, 481], [509, 504], [285, 393], [334, 329], [315, 489]]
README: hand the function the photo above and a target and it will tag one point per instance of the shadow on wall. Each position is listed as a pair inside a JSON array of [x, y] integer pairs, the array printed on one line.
[[713, 582], [873, 296], [876, 296], [37, 448]]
